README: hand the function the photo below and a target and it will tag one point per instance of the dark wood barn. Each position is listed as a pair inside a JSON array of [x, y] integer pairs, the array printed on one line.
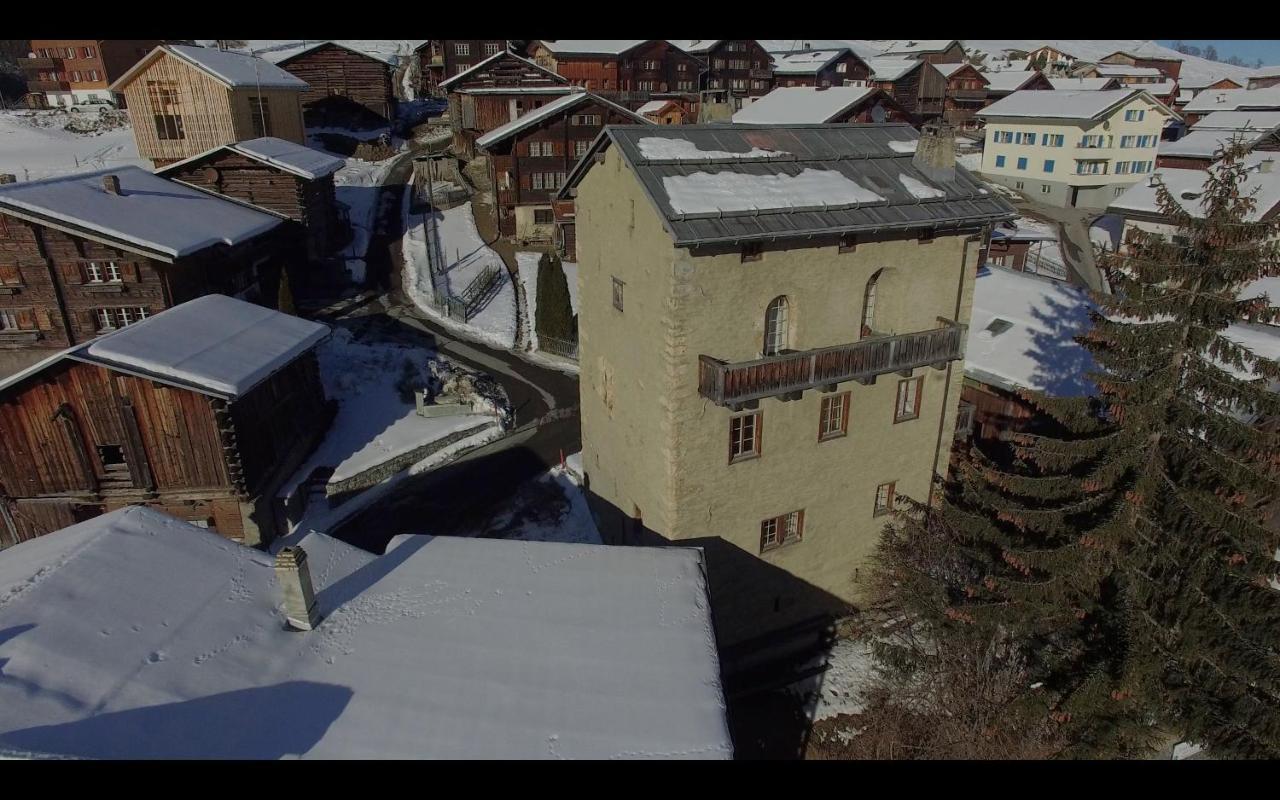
[[344, 86], [494, 92]]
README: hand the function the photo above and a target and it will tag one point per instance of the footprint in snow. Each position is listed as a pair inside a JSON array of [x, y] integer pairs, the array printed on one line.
[[156, 657]]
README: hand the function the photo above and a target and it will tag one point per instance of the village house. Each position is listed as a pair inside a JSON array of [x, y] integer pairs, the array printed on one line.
[[494, 92], [803, 292], [821, 68], [918, 90], [1169, 67], [201, 410], [1264, 78], [345, 87], [1050, 60], [1128, 76], [92, 252], [1017, 245], [280, 176], [741, 68], [530, 156], [65, 72], [930, 51], [185, 100], [817, 105], [965, 93], [626, 71], [665, 112], [1201, 147], [1213, 100], [1076, 149], [459, 55], [1085, 84], [139, 636], [1002, 84]]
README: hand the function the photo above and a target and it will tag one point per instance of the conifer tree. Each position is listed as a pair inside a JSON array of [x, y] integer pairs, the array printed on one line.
[[1125, 557], [554, 316]]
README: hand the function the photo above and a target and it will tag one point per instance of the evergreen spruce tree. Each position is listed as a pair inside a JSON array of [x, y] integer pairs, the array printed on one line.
[[554, 316], [1125, 557]]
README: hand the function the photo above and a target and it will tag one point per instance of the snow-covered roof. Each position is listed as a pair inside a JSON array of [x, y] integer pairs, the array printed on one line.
[[561, 89], [1239, 121], [891, 69], [1161, 89], [159, 216], [1010, 81], [797, 105], [810, 63], [1023, 229], [1082, 84], [497, 57], [1143, 53], [1125, 71], [863, 48], [603, 47], [695, 45], [305, 162], [1204, 80], [136, 635], [214, 343], [653, 106], [717, 183], [280, 56], [918, 46], [236, 69], [1020, 333], [1234, 99], [1012, 65], [1065, 105], [1187, 187], [547, 111], [1204, 144], [948, 70]]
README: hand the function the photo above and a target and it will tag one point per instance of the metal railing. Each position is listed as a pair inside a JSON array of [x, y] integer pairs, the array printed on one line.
[[735, 383], [558, 347], [1041, 265]]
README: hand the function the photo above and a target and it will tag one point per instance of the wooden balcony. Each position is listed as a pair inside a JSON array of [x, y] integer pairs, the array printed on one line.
[[745, 381], [760, 74], [968, 95], [40, 63], [48, 86]]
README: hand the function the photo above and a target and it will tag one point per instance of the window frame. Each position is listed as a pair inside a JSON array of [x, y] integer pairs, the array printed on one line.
[[550, 214], [619, 293], [890, 498], [777, 327], [782, 530], [826, 433], [736, 438], [898, 404]]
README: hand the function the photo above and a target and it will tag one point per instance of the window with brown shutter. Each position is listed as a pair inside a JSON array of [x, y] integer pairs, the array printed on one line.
[[10, 275], [71, 274], [784, 529]]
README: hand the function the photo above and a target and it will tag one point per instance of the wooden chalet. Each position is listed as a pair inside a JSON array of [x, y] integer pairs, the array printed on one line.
[[930, 51], [283, 177], [345, 87], [1003, 84], [919, 91], [628, 72], [1264, 78], [666, 112], [739, 67], [184, 100], [529, 158], [1050, 60], [98, 251], [821, 68], [964, 93], [201, 411], [1171, 68], [494, 92]]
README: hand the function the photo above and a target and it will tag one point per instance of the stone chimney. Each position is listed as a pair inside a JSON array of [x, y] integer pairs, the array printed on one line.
[[111, 184], [1266, 165], [8, 178], [295, 581], [936, 152]]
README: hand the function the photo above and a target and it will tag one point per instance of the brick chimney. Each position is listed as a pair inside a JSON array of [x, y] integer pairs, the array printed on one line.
[[295, 582], [111, 184], [936, 152]]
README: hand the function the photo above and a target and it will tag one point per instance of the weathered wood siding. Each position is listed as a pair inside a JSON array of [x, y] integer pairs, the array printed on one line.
[[335, 73], [279, 414]]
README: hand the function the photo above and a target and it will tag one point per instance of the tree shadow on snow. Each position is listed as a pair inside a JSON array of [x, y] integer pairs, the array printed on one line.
[[1061, 362]]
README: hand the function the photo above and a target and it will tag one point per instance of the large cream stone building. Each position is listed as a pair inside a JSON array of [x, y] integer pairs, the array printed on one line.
[[1072, 148], [769, 321]]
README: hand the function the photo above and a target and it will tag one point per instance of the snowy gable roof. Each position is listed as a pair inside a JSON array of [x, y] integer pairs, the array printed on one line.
[[305, 162], [237, 69], [136, 635], [215, 344], [505, 55], [1125, 71], [1205, 143], [806, 63], [716, 183], [1012, 65], [1009, 81], [283, 56], [1020, 333], [151, 215], [654, 106], [1239, 121], [1066, 105], [559, 105], [1084, 84], [1235, 99], [892, 69], [950, 69], [918, 46], [1266, 72], [695, 46], [1187, 187], [591, 47], [799, 105]]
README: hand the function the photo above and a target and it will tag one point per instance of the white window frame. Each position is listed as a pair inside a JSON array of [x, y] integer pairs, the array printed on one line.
[[462, 48], [491, 49], [8, 320], [744, 441], [886, 494], [777, 326]]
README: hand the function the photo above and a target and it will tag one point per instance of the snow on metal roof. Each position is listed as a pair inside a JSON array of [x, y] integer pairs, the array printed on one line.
[[497, 57], [1010, 81], [798, 105], [653, 106], [1083, 84], [137, 635], [891, 69], [236, 69], [547, 111], [305, 162], [159, 215], [1126, 71], [1012, 65], [1187, 187], [824, 179], [695, 45], [1235, 99], [591, 46], [278, 56], [806, 63], [1266, 72], [1064, 105], [1161, 89], [950, 69], [918, 46], [214, 343], [1205, 143], [1239, 120]]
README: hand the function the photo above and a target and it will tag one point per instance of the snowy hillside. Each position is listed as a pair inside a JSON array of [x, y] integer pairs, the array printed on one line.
[[1193, 67], [34, 145]]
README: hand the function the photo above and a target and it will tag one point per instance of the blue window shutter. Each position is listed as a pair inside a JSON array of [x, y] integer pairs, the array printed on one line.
[[1022, 163], [999, 161], [1048, 165]]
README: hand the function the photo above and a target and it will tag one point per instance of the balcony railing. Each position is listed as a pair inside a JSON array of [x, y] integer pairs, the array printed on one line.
[[734, 384], [968, 94], [48, 86], [40, 63], [760, 74]]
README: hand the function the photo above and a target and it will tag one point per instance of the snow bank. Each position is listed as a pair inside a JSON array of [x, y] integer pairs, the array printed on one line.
[[33, 146], [658, 148], [358, 187], [706, 192], [527, 264], [920, 189], [903, 147]]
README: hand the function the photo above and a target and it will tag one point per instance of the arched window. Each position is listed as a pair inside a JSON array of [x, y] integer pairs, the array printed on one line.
[[776, 327], [869, 305]]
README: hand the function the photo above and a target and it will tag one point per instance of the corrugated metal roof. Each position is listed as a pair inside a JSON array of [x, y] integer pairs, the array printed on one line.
[[859, 152]]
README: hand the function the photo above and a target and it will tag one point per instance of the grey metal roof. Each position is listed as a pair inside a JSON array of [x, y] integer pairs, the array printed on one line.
[[860, 152]]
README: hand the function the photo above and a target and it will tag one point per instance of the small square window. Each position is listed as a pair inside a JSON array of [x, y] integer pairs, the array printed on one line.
[[833, 417], [543, 216], [884, 498], [618, 286], [111, 455], [907, 406], [752, 251], [744, 437]]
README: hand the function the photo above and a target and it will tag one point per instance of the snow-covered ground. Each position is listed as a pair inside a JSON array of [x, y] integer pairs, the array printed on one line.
[[357, 186], [374, 424], [839, 690], [528, 273], [34, 145], [465, 255], [571, 523]]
